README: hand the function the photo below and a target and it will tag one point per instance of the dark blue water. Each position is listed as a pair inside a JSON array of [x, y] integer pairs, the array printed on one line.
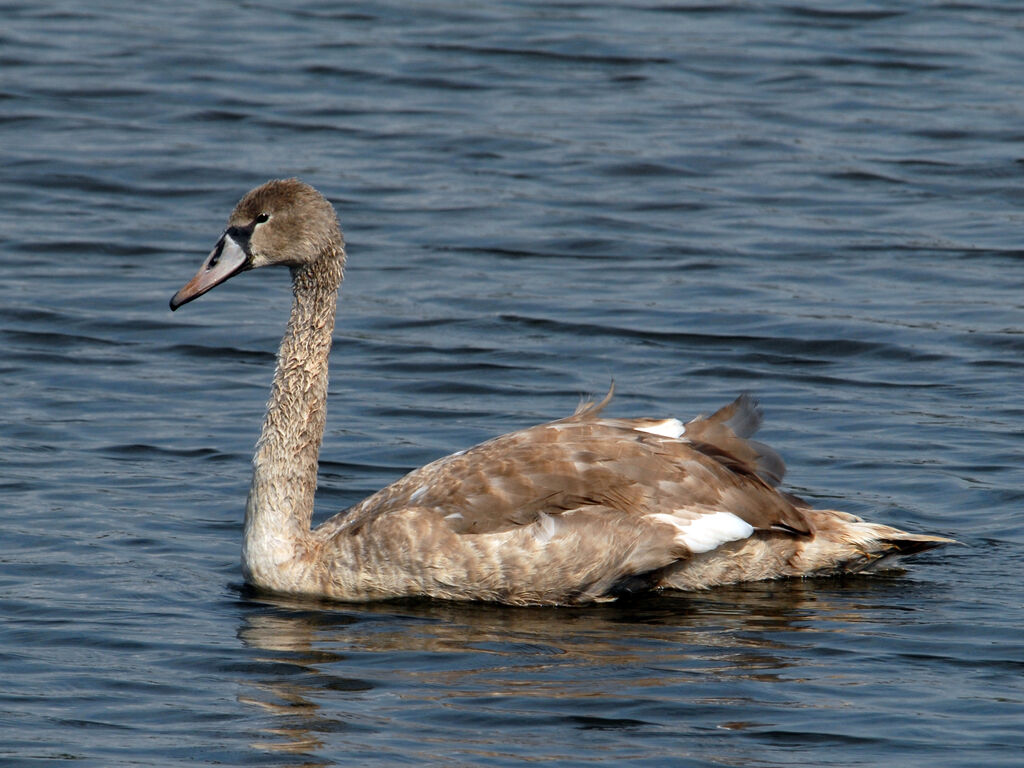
[[822, 203]]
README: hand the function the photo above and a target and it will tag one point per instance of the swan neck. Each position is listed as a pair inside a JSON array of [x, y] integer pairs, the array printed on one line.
[[280, 505]]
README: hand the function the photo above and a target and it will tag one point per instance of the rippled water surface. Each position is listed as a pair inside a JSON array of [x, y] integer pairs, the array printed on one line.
[[823, 204]]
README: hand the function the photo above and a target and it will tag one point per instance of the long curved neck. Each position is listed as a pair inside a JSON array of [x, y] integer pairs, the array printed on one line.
[[280, 505]]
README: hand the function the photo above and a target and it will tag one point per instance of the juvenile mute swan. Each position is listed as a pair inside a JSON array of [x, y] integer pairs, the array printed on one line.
[[583, 509]]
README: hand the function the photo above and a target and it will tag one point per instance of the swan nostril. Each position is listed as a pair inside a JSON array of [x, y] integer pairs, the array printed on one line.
[[216, 255]]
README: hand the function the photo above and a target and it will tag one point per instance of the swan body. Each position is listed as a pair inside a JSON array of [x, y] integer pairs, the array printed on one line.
[[583, 509]]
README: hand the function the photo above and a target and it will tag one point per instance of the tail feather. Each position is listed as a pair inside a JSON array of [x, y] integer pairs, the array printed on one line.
[[913, 543], [844, 543], [890, 545]]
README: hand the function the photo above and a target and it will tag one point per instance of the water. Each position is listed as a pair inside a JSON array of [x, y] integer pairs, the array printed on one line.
[[820, 204]]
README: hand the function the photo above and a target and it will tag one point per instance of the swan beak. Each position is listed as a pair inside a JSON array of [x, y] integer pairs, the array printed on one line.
[[227, 259]]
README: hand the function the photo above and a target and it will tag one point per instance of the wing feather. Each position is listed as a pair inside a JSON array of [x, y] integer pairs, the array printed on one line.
[[585, 461]]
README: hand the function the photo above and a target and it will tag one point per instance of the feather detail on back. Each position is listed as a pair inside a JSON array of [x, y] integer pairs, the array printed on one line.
[[577, 507], [585, 460]]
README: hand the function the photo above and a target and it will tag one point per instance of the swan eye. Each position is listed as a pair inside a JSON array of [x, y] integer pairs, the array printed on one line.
[[262, 218]]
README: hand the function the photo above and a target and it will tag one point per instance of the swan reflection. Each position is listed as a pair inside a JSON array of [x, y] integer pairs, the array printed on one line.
[[333, 679]]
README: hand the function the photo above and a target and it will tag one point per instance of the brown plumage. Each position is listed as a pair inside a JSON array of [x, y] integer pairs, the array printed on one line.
[[582, 509]]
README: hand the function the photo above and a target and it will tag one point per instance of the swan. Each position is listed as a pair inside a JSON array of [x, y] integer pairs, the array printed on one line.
[[584, 509]]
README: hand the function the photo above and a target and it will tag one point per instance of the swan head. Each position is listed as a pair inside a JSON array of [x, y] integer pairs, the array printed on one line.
[[283, 222]]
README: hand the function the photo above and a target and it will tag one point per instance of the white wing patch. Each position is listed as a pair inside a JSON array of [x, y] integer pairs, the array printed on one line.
[[667, 428], [706, 532], [547, 528]]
